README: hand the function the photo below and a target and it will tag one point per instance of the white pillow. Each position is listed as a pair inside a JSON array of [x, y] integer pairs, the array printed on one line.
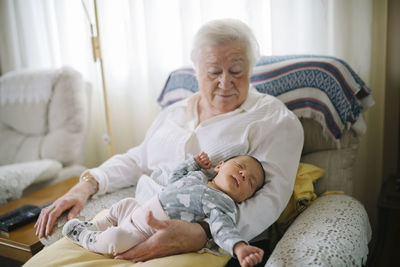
[[14, 178]]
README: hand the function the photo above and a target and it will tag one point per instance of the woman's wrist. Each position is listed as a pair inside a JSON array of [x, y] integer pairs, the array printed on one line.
[[89, 180]]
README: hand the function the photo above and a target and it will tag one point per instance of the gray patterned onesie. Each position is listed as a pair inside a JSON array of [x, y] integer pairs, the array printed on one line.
[[188, 197]]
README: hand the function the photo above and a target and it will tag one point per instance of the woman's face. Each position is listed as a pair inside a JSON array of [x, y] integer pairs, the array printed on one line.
[[223, 76]]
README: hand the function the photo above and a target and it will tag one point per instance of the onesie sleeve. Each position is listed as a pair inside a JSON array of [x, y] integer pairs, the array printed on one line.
[[183, 169], [221, 212]]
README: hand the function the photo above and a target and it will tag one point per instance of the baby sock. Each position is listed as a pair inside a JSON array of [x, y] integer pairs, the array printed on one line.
[[77, 230]]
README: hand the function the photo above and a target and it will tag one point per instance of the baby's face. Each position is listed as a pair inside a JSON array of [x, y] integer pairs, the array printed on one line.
[[239, 177]]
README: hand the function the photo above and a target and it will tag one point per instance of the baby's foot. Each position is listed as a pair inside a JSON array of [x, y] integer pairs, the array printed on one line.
[[73, 229]]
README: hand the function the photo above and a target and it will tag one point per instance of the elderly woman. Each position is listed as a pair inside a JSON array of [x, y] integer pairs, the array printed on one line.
[[226, 117]]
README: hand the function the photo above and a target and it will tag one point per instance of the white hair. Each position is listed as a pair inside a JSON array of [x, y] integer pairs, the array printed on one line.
[[223, 31]]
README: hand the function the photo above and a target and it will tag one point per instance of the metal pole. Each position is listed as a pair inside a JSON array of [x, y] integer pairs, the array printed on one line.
[[97, 55]]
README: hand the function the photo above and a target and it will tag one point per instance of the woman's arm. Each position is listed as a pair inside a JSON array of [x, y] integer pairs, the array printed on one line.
[[123, 170], [171, 237], [115, 173]]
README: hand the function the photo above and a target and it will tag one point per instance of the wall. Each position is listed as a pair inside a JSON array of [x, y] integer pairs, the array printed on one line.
[[392, 96], [378, 154], [369, 164]]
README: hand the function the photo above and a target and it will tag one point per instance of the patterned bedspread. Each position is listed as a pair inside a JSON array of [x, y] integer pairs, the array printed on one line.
[[322, 88]]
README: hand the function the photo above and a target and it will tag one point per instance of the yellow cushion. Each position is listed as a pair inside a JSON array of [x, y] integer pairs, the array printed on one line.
[[303, 194], [65, 252]]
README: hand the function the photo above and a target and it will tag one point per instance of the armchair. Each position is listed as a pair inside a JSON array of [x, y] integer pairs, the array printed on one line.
[[43, 120], [328, 97]]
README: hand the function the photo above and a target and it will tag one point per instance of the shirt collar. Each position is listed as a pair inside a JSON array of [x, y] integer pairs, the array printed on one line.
[[251, 99]]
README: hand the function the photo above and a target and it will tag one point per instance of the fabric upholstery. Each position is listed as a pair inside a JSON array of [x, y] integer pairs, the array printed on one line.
[[43, 128], [333, 231], [24, 98], [9, 148], [26, 118], [43, 116], [14, 178], [340, 165], [314, 141], [337, 161]]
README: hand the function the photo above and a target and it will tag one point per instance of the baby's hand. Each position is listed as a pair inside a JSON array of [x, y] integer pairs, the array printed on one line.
[[203, 160], [248, 255]]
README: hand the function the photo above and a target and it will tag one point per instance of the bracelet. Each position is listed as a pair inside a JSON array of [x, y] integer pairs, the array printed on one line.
[[89, 178]]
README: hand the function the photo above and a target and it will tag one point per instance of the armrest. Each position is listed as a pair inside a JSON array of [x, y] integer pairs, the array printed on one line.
[[93, 207], [63, 173], [333, 231], [15, 178]]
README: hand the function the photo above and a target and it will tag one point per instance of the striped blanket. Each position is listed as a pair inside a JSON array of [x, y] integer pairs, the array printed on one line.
[[322, 88]]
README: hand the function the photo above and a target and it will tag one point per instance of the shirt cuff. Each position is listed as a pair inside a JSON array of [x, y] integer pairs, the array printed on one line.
[[101, 179], [213, 248]]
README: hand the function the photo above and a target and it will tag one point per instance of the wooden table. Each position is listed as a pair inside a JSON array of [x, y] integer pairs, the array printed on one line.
[[21, 244]]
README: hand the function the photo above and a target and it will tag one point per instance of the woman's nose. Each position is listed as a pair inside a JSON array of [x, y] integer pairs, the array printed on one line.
[[225, 81]]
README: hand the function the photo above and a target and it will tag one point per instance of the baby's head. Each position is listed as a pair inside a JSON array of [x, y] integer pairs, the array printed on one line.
[[239, 177]]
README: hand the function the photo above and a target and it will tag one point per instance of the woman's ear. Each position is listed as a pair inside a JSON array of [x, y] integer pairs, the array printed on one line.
[[218, 166]]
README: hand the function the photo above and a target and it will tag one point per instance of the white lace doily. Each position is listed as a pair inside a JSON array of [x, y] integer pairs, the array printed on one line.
[[333, 231]]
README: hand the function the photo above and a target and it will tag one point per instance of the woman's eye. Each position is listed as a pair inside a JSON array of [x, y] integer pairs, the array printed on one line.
[[236, 72], [214, 71]]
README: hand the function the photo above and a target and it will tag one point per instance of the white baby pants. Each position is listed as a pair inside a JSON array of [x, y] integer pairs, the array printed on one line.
[[124, 226]]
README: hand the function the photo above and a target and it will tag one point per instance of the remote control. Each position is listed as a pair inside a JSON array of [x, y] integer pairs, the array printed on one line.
[[19, 217]]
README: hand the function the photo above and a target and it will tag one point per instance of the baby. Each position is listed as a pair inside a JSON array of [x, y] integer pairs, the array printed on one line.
[[189, 196]]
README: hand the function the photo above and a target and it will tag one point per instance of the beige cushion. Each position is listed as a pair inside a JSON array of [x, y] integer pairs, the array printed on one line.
[[9, 148], [315, 140], [66, 253], [339, 169], [24, 98], [26, 118]]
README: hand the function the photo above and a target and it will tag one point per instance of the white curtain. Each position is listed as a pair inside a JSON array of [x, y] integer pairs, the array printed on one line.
[[143, 40]]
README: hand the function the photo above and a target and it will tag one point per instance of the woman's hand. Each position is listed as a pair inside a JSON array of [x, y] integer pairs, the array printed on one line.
[[171, 237], [75, 199]]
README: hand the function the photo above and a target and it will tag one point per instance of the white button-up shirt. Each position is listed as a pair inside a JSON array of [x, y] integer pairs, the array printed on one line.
[[261, 127]]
